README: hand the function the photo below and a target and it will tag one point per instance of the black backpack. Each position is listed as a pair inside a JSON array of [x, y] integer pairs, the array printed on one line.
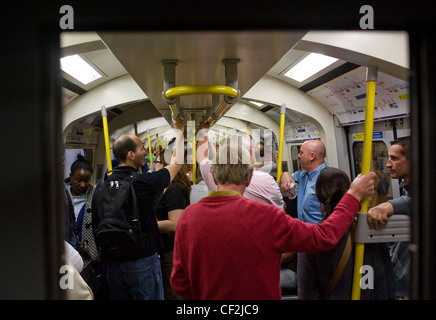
[[116, 225]]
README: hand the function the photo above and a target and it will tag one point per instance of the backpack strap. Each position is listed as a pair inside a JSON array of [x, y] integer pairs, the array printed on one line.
[[341, 265]]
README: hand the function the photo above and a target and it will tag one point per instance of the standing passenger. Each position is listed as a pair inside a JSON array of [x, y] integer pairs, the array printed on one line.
[[312, 155], [141, 278], [399, 167], [80, 192], [229, 247], [168, 208], [315, 270], [262, 188]]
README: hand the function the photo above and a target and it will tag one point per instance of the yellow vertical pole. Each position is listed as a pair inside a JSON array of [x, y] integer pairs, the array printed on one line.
[[149, 148], [371, 78], [106, 139], [281, 140], [135, 126], [248, 128], [194, 156], [157, 144]]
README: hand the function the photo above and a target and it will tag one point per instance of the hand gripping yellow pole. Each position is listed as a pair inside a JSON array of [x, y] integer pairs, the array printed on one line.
[[106, 139], [371, 78], [281, 140]]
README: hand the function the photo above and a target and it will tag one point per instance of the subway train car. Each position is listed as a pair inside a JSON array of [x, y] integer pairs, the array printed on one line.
[[317, 79], [282, 86]]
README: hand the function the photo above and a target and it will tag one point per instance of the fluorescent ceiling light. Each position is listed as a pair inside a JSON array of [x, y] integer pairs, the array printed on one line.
[[310, 65], [78, 68], [259, 104]]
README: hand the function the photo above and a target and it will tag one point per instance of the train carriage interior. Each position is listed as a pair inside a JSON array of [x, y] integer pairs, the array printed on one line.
[[328, 105], [245, 78]]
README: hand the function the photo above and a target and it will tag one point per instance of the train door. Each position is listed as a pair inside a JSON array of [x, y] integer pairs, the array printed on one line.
[[384, 132]]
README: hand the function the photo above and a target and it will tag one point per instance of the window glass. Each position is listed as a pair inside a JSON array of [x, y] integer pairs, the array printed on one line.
[[379, 158], [295, 150]]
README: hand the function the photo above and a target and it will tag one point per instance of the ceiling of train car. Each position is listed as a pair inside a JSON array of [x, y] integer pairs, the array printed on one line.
[[199, 56], [90, 48]]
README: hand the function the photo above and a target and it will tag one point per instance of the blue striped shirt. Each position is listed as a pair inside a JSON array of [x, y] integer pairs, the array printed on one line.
[[308, 206]]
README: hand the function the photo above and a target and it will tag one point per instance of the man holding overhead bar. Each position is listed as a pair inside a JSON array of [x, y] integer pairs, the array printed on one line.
[[140, 277]]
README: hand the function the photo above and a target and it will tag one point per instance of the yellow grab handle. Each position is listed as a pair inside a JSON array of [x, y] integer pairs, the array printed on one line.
[[281, 140], [149, 148], [106, 139], [366, 166], [200, 89]]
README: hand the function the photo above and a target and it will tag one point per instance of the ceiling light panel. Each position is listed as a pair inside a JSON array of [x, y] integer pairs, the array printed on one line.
[[310, 65], [79, 69]]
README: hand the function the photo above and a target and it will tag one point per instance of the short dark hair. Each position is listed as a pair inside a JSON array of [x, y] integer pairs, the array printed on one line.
[[405, 143], [81, 163], [121, 148]]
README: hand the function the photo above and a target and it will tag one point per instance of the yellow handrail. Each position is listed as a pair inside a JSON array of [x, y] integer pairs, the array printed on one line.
[[366, 166], [149, 148], [194, 157], [135, 126], [281, 140], [175, 112], [106, 139], [200, 89]]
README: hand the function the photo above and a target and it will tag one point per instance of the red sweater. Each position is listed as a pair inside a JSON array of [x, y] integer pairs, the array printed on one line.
[[229, 247]]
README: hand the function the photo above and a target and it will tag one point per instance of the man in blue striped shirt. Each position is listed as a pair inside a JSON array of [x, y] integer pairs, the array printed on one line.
[[312, 158]]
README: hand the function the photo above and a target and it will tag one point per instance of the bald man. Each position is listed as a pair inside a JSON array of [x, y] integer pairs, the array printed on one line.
[[312, 158]]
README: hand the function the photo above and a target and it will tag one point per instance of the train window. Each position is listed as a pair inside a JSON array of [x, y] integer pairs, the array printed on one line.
[[295, 150], [383, 189]]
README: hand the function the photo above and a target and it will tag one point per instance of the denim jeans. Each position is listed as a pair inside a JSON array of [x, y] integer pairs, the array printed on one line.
[[137, 279]]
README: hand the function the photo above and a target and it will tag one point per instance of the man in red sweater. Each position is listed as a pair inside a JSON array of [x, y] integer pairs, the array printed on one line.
[[229, 247]]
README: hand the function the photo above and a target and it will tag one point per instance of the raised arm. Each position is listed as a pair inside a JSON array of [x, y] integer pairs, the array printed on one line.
[[203, 141], [295, 235], [177, 157]]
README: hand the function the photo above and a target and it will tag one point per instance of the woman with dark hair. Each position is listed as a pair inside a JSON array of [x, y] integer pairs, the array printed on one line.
[[315, 271], [80, 191], [168, 208]]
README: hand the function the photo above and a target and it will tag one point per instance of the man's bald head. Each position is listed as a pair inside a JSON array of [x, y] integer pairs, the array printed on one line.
[[312, 154], [318, 148], [122, 145]]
